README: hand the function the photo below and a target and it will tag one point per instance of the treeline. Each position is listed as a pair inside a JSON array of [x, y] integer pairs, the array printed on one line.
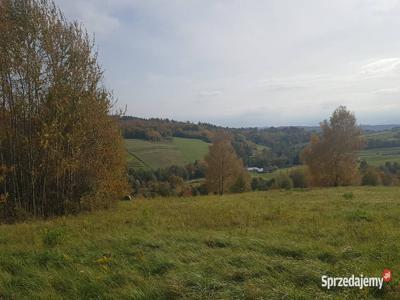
[[282, 146], [387, 174], [171, 181], [373, 143], [155, 129], [60, 150]]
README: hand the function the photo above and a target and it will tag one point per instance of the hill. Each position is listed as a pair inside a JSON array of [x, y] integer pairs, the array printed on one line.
[[259, 245], [154, 155]]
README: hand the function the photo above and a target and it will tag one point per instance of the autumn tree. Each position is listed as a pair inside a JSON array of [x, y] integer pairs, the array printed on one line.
[[332, 156], [224, 169], [60, 149]]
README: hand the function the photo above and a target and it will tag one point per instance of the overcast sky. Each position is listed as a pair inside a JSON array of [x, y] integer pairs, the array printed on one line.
[[248, 63]]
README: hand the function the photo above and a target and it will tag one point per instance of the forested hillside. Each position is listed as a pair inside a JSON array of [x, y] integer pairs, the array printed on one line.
[[278, 146]]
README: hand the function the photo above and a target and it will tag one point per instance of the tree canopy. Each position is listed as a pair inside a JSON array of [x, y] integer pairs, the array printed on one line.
[[332, 156], [225, 171], [60, 149]]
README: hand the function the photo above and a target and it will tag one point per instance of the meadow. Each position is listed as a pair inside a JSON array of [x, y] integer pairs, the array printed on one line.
[[378, 157], [154, 155], [262, 245]]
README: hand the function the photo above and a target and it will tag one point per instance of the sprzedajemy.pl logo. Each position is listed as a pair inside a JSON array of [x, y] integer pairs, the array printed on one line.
[[357, 281]]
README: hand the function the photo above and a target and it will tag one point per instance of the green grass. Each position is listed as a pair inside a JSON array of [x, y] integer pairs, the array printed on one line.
[[191, 149], [378, 157], [154, 155], [382, 135], [266, 245]]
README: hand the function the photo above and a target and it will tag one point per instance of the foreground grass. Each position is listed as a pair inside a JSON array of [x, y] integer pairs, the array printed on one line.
[[267, 245]]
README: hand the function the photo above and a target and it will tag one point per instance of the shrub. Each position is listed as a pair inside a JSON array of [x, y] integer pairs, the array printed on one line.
[[261, 184], [371, 177], [53, 236], [348, 195], [299, 178], [283, 181], [203, 190], [242, 184]]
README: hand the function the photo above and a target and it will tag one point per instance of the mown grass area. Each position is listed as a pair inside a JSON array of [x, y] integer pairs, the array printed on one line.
[[265, 245], [378, 157], [154, 155], [191, 149]]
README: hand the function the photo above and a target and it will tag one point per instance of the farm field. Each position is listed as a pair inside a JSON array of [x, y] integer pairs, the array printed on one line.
[[383, 135], [378, 157], [264, 245], [154, 155]]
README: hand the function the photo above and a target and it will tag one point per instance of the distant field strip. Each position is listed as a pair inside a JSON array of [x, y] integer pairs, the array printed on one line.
[[154, 155], [380, 156]]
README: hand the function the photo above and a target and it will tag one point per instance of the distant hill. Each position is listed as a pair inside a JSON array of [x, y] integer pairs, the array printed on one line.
[[158, 142], [379, 127], [366, 128]]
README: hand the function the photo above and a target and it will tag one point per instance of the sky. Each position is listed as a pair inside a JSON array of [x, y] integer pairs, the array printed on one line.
[[248, 63]]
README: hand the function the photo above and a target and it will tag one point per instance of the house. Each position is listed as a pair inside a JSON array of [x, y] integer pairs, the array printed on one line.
[[256, 169]]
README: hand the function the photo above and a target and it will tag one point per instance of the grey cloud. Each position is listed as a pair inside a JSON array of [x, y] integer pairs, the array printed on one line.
[[272, 62]]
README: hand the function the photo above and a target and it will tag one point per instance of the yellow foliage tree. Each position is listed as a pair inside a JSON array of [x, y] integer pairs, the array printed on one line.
[[332, 156], [224, 168], [58, 139]]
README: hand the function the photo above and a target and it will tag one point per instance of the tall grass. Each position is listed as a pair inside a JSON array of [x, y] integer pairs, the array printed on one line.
[[267, 245]]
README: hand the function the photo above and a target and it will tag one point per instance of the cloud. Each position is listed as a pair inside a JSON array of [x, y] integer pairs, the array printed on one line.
[[267, 62], [393, 90], [381, 67], [207, 94], [94, 15]]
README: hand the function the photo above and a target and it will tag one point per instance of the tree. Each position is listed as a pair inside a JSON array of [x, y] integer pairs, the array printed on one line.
[[242, 184], [332, 156], [223, 165], [371, 177], [59, 143]]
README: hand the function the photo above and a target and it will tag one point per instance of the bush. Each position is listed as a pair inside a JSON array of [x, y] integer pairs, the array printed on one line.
[[389, 179], [283, 181], [261, 184], [203, 190], [241, 185], [371, 177], [299, 178], [53, 236], [348, 195]]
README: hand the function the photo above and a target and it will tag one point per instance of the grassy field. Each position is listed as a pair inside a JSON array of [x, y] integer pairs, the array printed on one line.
[[154, 155], [382, 135], [378, 157], [266, 245]]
